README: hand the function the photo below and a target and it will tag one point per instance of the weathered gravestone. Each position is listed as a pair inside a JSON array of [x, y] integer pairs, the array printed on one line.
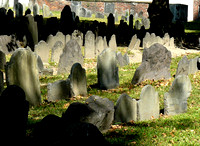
[[33, 31], [122, 60], [175, 101], [148, 105], [134, 44], [77, 80], [125, 109], [193, 65], [18, 10], [46, 10], [71, 54], [58, 90], [107, 69], [99, 45], [22, 70], [56, 51], [51, 40], [36, 9], [78, 36], [90, 45], [155, 65], [42, 49], [112, 43], [183, 67], [103, 115]]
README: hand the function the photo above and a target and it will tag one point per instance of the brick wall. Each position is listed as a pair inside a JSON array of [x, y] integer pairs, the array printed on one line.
[[196, 9], [141, 7]]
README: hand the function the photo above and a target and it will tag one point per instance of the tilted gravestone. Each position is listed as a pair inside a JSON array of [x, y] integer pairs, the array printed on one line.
[[22, 70], [107, 69], [148, 105], [56, 51], [42, 49], [125, 109], [77, 80], [155, 65], [71, 54], [175, 101], [122, 60], [90, 45], [58, 90], [134, 44]]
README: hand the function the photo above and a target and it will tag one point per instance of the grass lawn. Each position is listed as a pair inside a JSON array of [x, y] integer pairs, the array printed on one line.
[[183, 129]]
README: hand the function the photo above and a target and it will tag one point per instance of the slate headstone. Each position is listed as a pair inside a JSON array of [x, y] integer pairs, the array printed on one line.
[[78, 81], [71, 54], [22, 70], [58, 90], [183, 67], [125, 109], [107, 69], [148, 105], [18, 10], [155, 65], [175, 101]]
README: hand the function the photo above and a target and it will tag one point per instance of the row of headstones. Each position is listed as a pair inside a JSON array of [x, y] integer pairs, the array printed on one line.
[[147, 107], [36, 9], [151, 39]]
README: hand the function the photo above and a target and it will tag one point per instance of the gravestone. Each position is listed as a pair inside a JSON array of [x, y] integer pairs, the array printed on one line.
[[155, 65], [138, 25], [71, 54], [183, 67], [36, 9], [83, 12], [125, 109], [113, 43], [22, 70], [99, 15], [134, 44], [33, 30], [78, 36], [42, 49], [107, 69], [103, 114], [51, 40], [99, 45], [78, 82], [122, 60], [146, 22], [90, 45], [193, 66], [56, 51], [148, 105], [18, 10], [46, 10], [88, 14], [58, 90], [175, 101], [109, 8]]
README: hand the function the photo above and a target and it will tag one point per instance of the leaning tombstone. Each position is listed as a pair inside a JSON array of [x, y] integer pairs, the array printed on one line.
[[22, 70], [148, 105], [77, 80], [107, 69], [175, 101], [71, 54], [90, 45], [125, 109]]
